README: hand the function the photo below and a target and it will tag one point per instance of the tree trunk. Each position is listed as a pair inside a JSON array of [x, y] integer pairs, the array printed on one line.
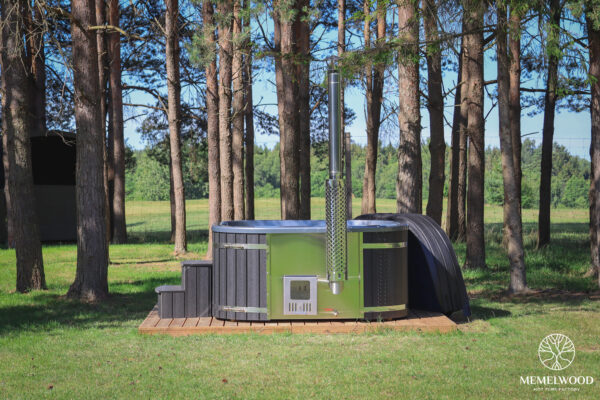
[[475, 257], [116, 96], [462, 184], [103, 81], [303, 65], [249, 116], [514, 96], [463, 122], [212, 123], [172, 206], [374, 93], [37, 73], [237, 117], [174, 116], [435, 105], [287, 95], [348, 177], [5, 163], [225, 9], [341, 48], [594, 55], [368, 196], [91, 281], [110, 160], [452, 208], [548, 130], [410, 180], [511, 209], [19, 125]]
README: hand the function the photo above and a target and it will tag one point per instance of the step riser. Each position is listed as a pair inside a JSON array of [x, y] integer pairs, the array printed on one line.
[[193, 298]]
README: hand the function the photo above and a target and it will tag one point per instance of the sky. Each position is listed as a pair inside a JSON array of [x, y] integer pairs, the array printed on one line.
[[572, 130]]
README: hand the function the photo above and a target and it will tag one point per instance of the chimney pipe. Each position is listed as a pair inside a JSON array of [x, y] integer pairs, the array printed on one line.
[[335, 193]]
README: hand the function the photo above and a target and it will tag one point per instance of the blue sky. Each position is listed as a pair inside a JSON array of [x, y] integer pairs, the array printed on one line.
[[572, 130]]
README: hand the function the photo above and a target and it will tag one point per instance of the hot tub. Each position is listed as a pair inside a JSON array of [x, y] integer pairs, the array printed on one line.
[[276, 270]]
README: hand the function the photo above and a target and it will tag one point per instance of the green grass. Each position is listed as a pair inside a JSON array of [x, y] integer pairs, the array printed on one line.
[[54, 347]]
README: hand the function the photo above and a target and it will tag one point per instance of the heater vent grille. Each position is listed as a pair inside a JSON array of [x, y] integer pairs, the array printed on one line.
[[335, 218]]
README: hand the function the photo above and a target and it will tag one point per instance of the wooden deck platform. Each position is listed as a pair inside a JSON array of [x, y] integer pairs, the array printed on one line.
[[422, 321]]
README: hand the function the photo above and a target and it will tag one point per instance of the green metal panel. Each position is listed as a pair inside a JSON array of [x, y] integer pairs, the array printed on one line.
[[304, 254]]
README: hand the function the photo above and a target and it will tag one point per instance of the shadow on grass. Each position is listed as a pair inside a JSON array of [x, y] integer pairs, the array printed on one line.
[[51, 311], [484, 313]]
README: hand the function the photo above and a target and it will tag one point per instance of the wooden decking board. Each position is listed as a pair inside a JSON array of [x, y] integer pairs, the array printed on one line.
[[191, 322], [421, 321]]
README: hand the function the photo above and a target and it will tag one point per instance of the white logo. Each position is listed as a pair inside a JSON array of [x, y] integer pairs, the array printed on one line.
[[556, 352]]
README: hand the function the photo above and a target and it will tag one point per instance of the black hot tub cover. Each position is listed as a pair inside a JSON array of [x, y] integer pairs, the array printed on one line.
[[435, 280]]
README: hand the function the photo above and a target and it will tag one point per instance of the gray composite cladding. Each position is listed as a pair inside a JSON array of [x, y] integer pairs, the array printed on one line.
[[385, 274], [192, 298], [196, 279], [171, 300], [239, 276]]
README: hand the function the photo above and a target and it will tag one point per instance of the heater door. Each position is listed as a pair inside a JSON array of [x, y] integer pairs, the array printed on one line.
[[299, 295]]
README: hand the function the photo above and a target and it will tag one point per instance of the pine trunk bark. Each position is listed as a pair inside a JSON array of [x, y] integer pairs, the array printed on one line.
[[110, 161], [103, 81], [374, 94], [212, 123], [116, 95], [341, 48], [435, 106], [225, 9], [19, 125], [249, 117], [514, 96], [463, 142], [172, 205], [475, 256], [511, 209], [91, 280], [410, 179], [368, 205], [594, 49], [174, 116], [37, 73], [303, 65], [237, 116], [5, 164], [548, 129], [289, 128], [452, 207]]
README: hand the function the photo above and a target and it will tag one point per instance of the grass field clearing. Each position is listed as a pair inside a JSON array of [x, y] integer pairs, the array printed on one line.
[[54, 347]]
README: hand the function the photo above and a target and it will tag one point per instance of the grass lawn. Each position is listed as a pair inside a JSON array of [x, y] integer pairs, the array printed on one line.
[[54, 347]]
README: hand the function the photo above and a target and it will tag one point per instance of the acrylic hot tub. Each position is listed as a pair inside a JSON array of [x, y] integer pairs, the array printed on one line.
[[273, 270]]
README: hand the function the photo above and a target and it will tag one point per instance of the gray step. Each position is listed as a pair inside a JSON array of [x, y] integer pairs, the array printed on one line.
[[171, 301], [196, 279]]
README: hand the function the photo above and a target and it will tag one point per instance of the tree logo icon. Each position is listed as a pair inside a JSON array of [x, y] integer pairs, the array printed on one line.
[[556, 352]]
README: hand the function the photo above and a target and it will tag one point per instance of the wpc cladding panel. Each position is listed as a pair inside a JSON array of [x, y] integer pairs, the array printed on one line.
[[385, 272], [386, 237], [196, 280], [239, 276]]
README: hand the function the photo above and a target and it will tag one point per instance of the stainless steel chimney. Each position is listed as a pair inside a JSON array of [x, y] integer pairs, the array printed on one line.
[[335, 193]]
